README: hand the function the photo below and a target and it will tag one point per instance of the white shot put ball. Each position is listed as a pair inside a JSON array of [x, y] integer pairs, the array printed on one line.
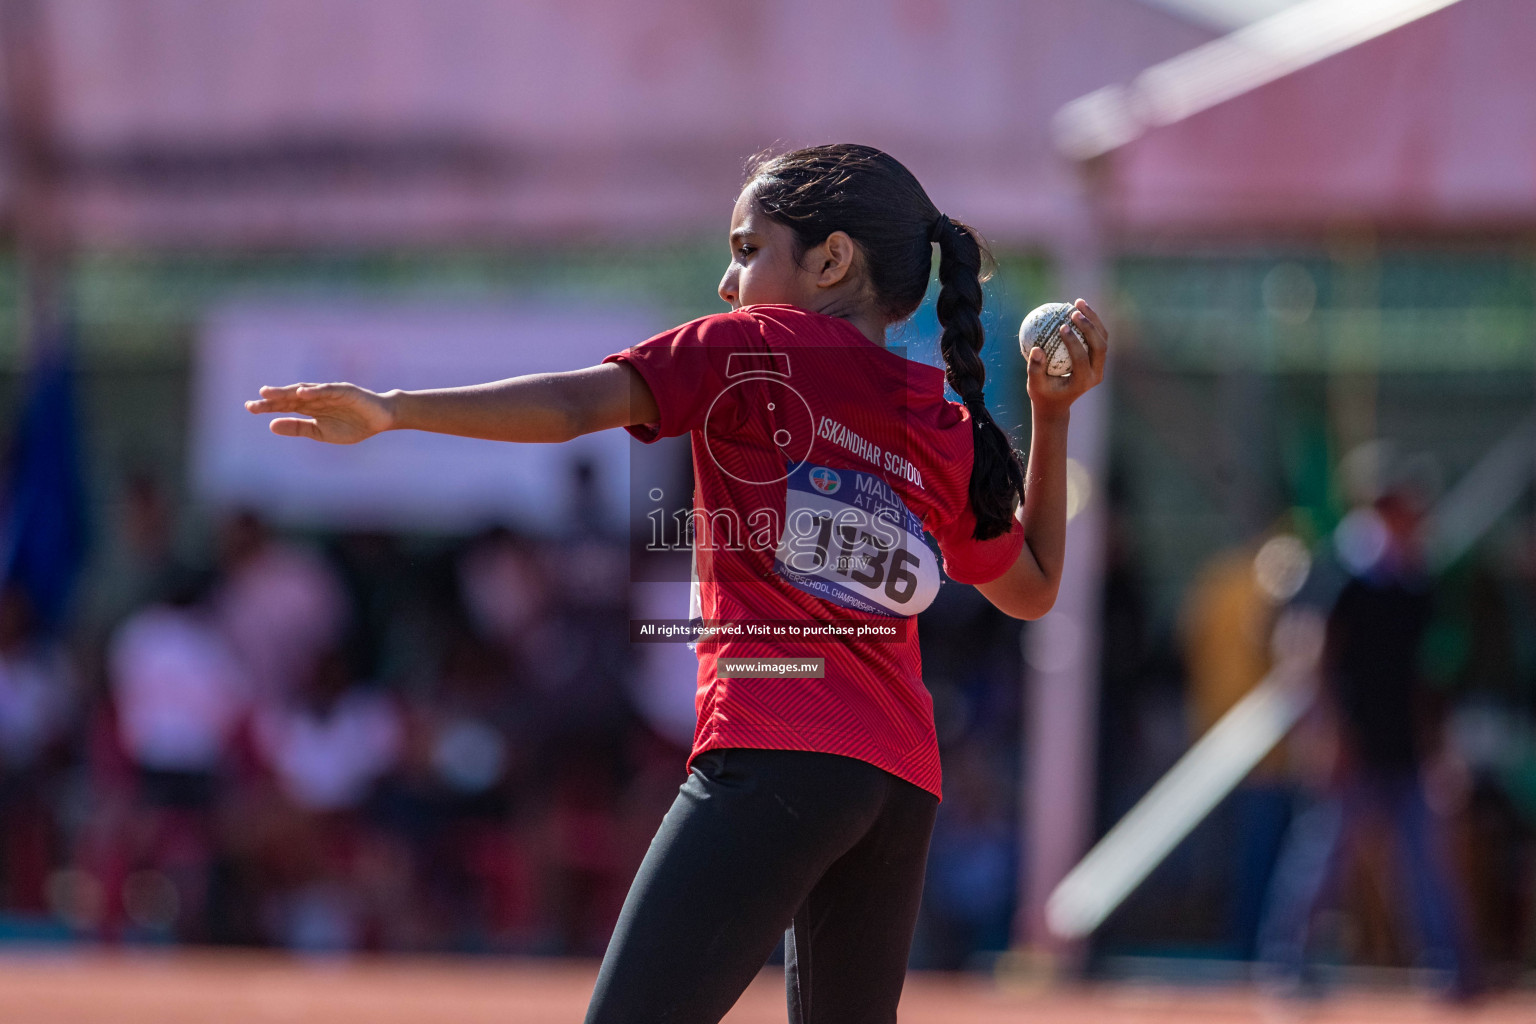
[[1043, 327]]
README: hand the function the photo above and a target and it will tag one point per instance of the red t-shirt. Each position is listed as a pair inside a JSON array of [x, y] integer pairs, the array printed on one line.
[[819, 459]]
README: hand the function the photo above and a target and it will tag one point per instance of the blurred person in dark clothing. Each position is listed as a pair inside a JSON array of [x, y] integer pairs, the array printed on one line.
[[1374, 688], [475, 740], [969, 889], [140, 564]]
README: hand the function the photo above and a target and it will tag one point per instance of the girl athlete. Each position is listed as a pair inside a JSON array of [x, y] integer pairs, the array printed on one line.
[[820, 458]]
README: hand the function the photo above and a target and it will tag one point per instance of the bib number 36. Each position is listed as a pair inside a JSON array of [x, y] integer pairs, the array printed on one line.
[[849, 539]]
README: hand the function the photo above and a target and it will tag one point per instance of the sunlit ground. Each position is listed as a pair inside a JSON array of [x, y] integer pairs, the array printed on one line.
[[242, 988]]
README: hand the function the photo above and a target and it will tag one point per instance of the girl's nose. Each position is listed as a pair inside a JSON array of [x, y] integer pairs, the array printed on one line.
[[728, 288]]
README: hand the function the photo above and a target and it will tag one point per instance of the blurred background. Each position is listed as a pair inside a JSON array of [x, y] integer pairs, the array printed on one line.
[[262, 693]]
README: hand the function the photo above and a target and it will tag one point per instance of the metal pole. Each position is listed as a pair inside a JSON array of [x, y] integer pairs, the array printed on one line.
[[40, 230], [1062, 649]]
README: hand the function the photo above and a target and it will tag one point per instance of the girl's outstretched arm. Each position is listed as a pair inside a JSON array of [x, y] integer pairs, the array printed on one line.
[[536, 407], [1028, 589]]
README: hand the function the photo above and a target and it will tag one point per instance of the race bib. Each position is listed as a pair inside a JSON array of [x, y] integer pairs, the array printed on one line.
[[849, 539]]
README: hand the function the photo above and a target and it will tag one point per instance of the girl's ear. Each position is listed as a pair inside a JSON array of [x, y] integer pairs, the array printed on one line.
[[833, 259]]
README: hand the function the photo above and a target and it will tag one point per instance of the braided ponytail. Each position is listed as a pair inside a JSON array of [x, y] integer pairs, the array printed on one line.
[[997, 479], [882, 207]]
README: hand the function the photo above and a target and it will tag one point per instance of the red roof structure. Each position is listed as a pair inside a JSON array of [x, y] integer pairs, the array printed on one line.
[[387, 122], [1406, 114]]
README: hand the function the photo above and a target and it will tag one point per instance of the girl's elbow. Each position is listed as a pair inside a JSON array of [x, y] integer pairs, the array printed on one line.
[[1038, 604], [1021, 595], [1024, 605], [1036, 610]]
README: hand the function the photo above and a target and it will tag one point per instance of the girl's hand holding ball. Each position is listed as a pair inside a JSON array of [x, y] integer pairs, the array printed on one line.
[[1065, 345]]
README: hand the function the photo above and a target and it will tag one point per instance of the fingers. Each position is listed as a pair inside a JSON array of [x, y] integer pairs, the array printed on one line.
[[268, 391], [1094, 333], [295, 397], [1090, 347], [1036, 378], [1036, 365], [1039, 384], [284, 399], [1076, 349], [1092, 317], [290, 426]]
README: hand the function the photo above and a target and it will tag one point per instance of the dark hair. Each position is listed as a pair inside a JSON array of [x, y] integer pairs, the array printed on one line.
[[880, 205]]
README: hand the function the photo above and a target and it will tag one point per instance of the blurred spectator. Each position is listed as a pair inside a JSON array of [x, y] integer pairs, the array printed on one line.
[[1373, 683], [968, 896], [279, 605], [478, 732], [1225, 625], [138, 567], [330, 741], [180, 696], [334, 876], [180, 693], [395, 603], [581, 658], [503, 589], [38, 708], [1484, 651], [37, 692], [587, 870], [1143, 729], [971, 657], [587, 507]]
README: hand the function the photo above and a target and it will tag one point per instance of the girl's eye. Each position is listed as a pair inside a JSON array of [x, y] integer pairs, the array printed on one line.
[[746, 250]]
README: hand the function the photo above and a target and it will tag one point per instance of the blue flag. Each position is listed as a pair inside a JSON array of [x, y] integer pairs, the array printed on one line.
[[42, 513]]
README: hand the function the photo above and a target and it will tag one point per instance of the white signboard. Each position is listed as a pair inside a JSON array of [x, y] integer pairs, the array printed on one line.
[[405, 479]]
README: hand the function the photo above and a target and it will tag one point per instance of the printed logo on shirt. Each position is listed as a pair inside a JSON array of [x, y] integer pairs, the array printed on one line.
[[825, 480], [760, 385], [830, 429]]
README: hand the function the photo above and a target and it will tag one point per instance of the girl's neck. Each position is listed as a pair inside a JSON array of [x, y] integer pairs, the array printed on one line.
[[869, 323]]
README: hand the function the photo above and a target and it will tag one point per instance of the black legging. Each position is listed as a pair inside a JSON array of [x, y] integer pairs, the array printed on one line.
[[825, 849]]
